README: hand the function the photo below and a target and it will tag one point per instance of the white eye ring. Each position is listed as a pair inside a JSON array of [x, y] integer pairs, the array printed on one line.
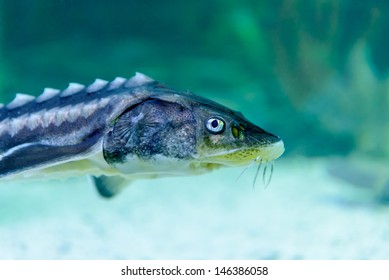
[[215, 125]]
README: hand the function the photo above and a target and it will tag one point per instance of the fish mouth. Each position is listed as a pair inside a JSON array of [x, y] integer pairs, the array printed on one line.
[[244, 156]]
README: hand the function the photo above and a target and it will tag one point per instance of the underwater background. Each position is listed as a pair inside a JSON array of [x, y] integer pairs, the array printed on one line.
[[315, 73]]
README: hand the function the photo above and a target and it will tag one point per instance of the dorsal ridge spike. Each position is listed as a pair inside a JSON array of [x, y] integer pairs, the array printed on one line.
[[73, 88], [47, 94], [20, 100], [116, 83], [139, 80], [97, 85]]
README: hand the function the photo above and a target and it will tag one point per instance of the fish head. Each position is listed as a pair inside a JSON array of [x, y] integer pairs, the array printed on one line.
[[177, 133], [226, 138]]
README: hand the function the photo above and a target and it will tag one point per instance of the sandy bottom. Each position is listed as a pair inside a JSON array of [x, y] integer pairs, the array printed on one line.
[[304, 214]]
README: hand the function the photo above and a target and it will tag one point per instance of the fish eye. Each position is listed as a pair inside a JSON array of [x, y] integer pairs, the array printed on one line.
[[215, 125]]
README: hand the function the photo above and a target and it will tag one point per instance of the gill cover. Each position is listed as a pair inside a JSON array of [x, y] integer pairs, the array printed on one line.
[[149, 129]]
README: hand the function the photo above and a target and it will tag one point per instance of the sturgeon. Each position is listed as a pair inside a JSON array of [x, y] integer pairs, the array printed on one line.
[[122, 130]]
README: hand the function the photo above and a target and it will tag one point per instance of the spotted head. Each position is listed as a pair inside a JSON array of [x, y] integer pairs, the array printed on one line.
[[228, 138]]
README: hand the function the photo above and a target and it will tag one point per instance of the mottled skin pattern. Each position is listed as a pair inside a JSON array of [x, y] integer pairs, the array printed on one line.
[[151, 128], [127, 128]]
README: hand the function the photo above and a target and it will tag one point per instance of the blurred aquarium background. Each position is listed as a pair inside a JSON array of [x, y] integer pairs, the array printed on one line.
[[314, 72]]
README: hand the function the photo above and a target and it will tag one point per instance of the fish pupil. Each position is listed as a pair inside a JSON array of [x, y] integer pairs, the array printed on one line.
[[215, 123]]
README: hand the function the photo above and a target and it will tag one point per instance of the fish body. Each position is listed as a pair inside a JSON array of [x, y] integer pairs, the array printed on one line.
[[122, 130]]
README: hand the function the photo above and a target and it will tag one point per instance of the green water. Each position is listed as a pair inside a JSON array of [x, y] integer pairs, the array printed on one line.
[[313, 72]]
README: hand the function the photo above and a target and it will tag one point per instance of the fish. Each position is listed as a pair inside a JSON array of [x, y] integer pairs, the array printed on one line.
[[122, 130]]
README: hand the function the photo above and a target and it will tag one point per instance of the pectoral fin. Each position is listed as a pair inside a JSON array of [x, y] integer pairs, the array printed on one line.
[[109, 186]]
